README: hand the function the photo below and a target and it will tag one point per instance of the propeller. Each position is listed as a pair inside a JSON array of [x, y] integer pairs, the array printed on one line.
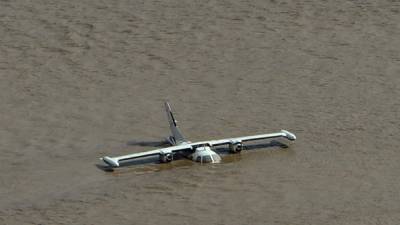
[[243, 146]]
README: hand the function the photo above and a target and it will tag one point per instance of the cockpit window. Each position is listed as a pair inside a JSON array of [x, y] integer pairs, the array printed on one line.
[[206, 159]]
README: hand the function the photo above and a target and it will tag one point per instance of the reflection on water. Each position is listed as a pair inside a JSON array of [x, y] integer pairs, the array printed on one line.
[[231, 158], [273, 147], [153, 167]]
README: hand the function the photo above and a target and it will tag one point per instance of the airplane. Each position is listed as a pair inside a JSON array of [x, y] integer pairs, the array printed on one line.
[[197, 151]]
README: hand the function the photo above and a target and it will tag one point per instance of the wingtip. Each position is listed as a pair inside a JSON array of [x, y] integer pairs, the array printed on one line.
[[289, 135], [110, 161]]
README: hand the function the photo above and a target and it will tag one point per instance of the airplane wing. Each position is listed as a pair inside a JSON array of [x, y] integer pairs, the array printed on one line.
[[114, 161], [283, 133]]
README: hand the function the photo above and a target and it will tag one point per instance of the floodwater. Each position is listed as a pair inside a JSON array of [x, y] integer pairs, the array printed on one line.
[[84, 79]]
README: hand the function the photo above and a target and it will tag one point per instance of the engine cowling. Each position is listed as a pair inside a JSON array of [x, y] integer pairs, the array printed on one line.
[[235, 147], [166, 157]]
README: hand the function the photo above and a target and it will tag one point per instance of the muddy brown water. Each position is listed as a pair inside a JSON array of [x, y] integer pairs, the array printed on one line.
[[84, 79]]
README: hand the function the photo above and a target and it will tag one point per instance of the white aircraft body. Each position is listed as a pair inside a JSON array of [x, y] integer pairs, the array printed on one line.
[[197, 151]]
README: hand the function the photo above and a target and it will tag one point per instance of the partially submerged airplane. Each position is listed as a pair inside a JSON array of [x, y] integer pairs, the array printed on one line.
[[196, 151]]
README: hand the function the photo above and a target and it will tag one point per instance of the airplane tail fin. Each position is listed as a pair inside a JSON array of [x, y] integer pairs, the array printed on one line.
[[177, 136]]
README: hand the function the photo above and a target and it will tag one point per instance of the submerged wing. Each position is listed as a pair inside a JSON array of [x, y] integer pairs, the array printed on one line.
[[114, 161], [283, 133]]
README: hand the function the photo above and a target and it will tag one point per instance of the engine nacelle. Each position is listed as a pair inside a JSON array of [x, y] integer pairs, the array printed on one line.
[[235, 147], [166, 157]]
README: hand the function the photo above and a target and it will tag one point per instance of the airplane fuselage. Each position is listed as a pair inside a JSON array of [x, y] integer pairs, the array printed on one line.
[[203, 154], [197, 151]]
